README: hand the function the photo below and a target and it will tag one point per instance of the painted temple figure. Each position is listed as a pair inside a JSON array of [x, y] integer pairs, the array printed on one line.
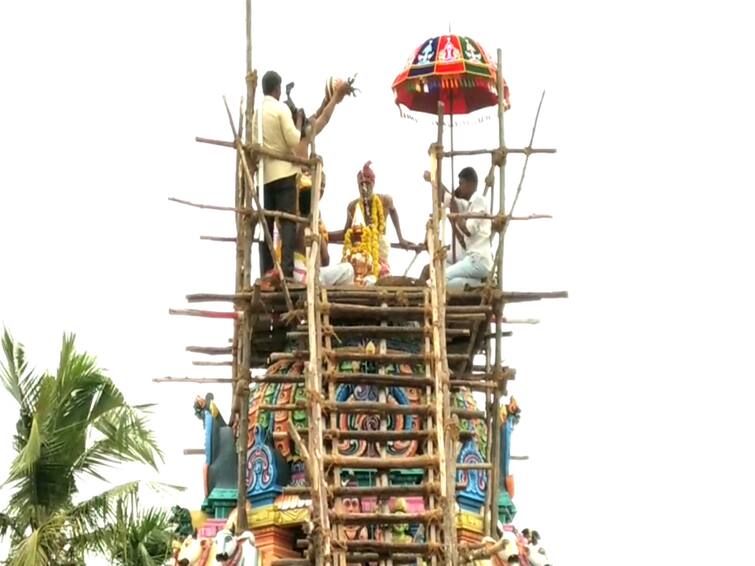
[[220, 467], [277, 520]]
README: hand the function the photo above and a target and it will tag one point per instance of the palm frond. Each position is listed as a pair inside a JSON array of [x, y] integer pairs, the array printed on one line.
[[91, 514], [129, 434], [42, 545], [17, 379], [27, 458]]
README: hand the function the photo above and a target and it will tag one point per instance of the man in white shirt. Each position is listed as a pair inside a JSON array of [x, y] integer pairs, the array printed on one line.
[[279, 133], [476, 262]]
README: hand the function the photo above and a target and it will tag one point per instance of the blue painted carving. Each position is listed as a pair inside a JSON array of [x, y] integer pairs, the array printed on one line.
[[219, 446], [371, 421], [267, 471], [507, 428], [474, 482]]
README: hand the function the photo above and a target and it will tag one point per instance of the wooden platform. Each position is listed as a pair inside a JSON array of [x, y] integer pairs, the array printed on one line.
[[361, 312]]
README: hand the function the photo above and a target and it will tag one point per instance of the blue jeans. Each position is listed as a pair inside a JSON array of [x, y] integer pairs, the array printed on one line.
[[470, 270]]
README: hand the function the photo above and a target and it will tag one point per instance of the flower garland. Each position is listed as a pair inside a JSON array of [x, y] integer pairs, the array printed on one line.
[[369, 242]]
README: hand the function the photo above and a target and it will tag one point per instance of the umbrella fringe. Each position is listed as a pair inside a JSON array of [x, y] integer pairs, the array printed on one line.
[[479, 117]]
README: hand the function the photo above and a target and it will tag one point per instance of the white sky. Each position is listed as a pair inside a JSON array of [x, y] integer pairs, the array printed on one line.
[[634, 391]]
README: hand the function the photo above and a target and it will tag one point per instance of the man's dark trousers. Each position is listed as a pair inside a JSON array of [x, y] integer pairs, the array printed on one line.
[[280, 195]]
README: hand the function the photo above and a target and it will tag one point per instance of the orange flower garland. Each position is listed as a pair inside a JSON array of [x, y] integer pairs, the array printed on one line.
[[369, 243]]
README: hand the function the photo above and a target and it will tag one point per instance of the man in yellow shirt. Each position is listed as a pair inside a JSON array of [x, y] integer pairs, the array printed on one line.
[[279, 133]]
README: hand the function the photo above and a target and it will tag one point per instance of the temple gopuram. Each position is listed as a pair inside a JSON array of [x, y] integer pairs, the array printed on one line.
[[371, 421]]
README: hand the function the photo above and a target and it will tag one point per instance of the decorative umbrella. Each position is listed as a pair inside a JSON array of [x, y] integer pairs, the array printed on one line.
[[450, 68]]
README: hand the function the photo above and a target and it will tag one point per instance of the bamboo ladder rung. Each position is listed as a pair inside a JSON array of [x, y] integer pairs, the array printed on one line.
[[343, 356], [396, 558], [405, 380], [367, 463], [378, 435], [483, 375], [377, 407], [424, 517], [291, 562], [278, 379], [369, 491], [386, 491], [387, 548], [355, 407], [347, 356], [468, 413], [478, 466], [374, 330]]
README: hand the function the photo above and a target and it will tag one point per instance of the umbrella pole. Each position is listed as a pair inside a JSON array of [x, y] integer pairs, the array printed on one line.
[[453, 232]]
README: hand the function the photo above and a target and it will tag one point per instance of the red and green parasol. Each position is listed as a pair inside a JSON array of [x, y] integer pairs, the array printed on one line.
[[452, 69]]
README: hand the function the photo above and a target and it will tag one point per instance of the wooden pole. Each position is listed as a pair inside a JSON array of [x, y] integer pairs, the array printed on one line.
[[251, 79], [496, 454], [446, 448], [322, 545], [243, 328]]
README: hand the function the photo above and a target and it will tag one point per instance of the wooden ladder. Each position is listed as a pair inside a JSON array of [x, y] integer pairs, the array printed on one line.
[[376, 543]]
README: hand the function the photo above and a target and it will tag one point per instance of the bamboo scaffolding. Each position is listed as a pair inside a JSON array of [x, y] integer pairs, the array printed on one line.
[[387, 548], [389, 357], [396, 558], [499, 150], [396, 312], [369, 330], [210, 350], [261, 150], [480, 466], [491, 422], [378, 435], [500, 218], [201, 313], [440, 360], [375, 407], [218, 238], [192, 380], [374, 379], [322, 539], [277, 378], [392, 490], [268, 298], [431, 447], [381, 463], [383, 476], [339, 558], [493, 484], [244, 211], [424, 517]]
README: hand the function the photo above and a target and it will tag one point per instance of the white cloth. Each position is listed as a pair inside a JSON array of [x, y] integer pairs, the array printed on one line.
[[337, 274], [477, 244], [330, 276], [537, 555], [467, 271], [279, 133]]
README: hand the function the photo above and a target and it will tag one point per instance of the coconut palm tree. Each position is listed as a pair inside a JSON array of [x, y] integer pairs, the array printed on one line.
[[134, 537], [72, 426]]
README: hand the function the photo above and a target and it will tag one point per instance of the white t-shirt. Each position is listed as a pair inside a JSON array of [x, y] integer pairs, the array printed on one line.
[[478, 241]]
